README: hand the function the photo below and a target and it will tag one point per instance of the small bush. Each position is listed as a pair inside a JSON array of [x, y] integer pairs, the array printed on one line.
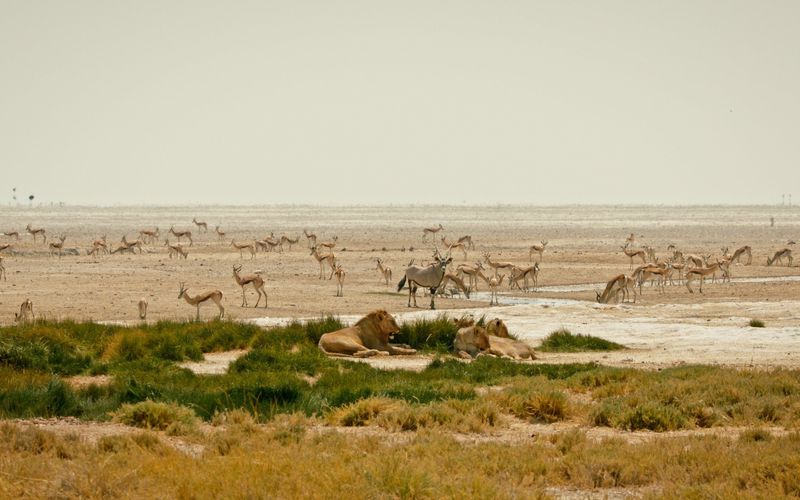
[[755, 435], [435, 334], [653, 417], [546, 407], [160, 416], [565, 341], [363, 411], [756, 323]]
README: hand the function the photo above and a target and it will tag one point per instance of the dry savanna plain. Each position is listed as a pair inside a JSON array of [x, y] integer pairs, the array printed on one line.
[[698, 402]]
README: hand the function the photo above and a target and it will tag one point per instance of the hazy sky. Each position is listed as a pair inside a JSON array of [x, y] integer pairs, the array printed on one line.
[[399, 102]]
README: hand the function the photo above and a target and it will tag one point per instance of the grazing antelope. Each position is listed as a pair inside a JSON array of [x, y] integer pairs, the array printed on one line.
[[250, 279], [634, 253], [385, 271], [329, 259], [3, 270], [250, 247], [330, 244], [453, 246], [614, 286], [200, 225], [213, 295], [220, 233], [268, 244], [429, 276], [701, 273], [496, 265], [339, 272], [655, 271], [288, 241], [128, 246], [473, 272], [737, 255], [34, 232], [538, 248], [59, 245], [431, 230], [779, 255], [149, 235], [5, 246], [458, 282], [142, 308], [467, 240], [182, 234], [176, 249], [15, 234], [311, 238], [25, 314]]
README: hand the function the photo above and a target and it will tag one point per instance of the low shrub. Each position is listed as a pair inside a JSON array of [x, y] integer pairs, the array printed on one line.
[[756, 323], [156, 415], [565, 341]]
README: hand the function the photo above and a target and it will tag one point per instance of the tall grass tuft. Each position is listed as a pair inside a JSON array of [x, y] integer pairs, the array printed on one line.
[[565, 341], [436, 334], [173, 418]]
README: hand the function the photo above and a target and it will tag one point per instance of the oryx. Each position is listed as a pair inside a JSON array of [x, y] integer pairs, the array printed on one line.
[[429, 276]]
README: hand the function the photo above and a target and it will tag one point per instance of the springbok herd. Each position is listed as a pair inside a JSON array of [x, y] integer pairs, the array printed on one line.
[[441, 275]]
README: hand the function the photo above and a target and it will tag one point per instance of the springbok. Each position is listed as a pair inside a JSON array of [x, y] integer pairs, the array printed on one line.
[[340, 274], [311, 238], [737, 255], [467, 240], [200, 225], [213, 295], [59, 245], [538, 249], [128, 246], [618, 284], [496, 265], [142, 308], [220, 233], [458, 282], [3, 270], [473, 272], [779, 255], [268, 244], [250, 247], [330, 244], [25, 314], [5, 246], [429, 276], [523, 273], [250, 279], [697, 260], [329, 259], [176, 249], [431, 230], [182, 234], [630, 240], [36, 231], [494, 284], [10, 234], [453, 246], [288, 241], [701, 273], [385, 271], [634, 253], [148, 235]]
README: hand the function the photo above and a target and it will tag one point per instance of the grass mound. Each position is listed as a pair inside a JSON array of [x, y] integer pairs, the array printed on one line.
[[756, 323], [565, 341], [155, 415]]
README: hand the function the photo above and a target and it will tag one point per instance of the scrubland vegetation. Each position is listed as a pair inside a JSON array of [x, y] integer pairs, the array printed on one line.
[[264, 428]]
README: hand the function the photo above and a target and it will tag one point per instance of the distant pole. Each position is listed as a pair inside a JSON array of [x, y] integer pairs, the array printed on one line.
[[772, 222], [783, 199]]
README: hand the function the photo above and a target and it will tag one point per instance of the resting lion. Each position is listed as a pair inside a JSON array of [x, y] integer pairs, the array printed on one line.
[[475, 340], [369, 337]]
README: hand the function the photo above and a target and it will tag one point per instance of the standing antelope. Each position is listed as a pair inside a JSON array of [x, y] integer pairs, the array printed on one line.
[[213, 295], [148, 235], [250, 247], [385, 271], [634, 253], [330, 244], [250, 279], [311, 238], [737, 255], [779, 255], [467, 240], [268, 244], [57, 245], [142, 308], [453, 246], [473, 272], [496, 265], [697, 260], [429, 276], [339, 272], [431, 230], [25, 314], [630, 240], [176, 249], [200, 225], [3, 270], [182, 234], [538, 249], [494, 284], [220, 233], [329, 259], [523, 273], [34, 232], [700, 272], [288, 241]]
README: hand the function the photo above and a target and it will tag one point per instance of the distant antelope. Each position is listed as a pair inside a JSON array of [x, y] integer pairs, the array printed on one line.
[[268, 244], [429, 276], [340, 274], [250, 247], [634, 253], [737, 255], [142, 308], [3, 270], [496, 265], [538, 249], [697, 260], [220, 233], [285, 239], [176, 249], [329, 259], [467, 240], [182, 234], [630, 240], [200, 225], [614, 287], [128, 246], [385, 271], [473, 272], [329, 244], [14, 234], [250, 279], [57, 246], [431, 230], [524, 273], [25, 314], [213, 295], [779, 255], [101, 244], [700, 272], [494, 284], [454, 246], [34, 232], [148, 235], [311, 238], [5, 246]]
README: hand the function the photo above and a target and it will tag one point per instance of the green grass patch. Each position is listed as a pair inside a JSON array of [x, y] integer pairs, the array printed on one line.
[[756, 323], [565, 341]]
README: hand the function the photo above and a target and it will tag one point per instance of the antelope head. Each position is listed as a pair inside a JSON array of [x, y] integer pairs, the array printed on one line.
[[236, 269], [544, 243], [183, 290]]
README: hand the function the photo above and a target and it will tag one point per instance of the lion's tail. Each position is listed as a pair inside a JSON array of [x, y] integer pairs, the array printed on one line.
[[402, 283]]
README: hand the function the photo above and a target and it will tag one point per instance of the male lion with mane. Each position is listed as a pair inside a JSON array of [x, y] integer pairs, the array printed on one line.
[[369, 337]]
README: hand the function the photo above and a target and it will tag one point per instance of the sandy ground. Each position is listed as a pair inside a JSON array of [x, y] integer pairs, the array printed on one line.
[[583, 252]]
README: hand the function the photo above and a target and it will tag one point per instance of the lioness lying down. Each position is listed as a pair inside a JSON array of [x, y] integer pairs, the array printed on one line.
[[369, 337], [472, 341]]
